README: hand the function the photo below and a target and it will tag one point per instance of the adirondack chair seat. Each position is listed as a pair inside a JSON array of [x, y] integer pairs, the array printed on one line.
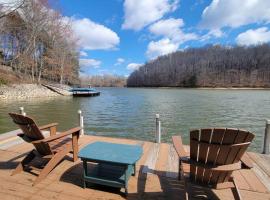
[[53, 148], [213, 167], [60, 144], [214, 155]]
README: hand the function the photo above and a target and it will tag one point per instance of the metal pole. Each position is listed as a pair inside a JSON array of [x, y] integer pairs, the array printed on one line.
[[81, 121], [22, 111], [266, 141], [158, 129]]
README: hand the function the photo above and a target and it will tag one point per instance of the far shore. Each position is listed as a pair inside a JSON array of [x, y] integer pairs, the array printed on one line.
[[207, 88]]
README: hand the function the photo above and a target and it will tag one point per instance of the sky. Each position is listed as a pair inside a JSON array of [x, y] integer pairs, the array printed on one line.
[[118, 36]]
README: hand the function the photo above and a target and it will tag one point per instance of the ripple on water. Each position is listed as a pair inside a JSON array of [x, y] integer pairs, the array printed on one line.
[[130, 112]]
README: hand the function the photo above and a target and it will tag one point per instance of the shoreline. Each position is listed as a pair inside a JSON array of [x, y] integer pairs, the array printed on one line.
[[32, 91], [26, 91]]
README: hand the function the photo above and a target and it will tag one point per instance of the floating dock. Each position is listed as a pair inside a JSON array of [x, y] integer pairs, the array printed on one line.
[[156, 175], [84, 92]]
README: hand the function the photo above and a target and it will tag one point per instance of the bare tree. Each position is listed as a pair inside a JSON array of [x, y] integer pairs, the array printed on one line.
[[36, 41]]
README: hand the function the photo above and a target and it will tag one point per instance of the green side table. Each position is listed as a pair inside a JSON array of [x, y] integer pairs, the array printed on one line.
[[113, 163]]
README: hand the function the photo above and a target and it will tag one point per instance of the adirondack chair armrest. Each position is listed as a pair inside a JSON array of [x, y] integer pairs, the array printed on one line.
[[179, 147], [72, 131], [47, 126]]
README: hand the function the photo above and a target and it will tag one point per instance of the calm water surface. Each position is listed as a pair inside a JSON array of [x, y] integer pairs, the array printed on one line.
[[130, 112]]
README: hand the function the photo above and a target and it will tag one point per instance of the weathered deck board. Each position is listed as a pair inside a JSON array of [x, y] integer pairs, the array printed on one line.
[[172, 163], [161, 163], [158, 182], [150, 163]]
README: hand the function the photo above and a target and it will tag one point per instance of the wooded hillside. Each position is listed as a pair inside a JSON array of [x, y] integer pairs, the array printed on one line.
[[36, 41], [210, 66]]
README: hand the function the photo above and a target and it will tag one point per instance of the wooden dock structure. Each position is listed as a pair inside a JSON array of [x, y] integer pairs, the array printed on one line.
[[156, 175]]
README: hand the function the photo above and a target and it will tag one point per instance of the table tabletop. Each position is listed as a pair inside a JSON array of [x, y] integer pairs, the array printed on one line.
[[111, 152]]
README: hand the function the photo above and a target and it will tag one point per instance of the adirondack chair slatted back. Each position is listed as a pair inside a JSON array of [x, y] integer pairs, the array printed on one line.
[[31, 132], [218, 147]]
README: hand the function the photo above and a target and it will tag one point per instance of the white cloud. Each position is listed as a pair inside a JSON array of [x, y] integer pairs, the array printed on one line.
[[173, 37], [85, 62], [254, 36], [171, 28], [119, 61], [94, 36], [140, 13], [216, 33], [134, 66], [161, 47], [166, 27], [235, 13], [83, 53]]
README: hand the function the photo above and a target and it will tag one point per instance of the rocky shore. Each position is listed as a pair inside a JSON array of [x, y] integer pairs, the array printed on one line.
[[23, 91]]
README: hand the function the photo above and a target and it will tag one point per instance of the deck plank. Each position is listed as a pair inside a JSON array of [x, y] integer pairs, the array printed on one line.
[[172, 163], [254, 183], [161, 163], [241, 181], [263, 161], [150, 163]]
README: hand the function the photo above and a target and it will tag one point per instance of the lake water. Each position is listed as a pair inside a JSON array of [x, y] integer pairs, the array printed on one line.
[[130, 112]]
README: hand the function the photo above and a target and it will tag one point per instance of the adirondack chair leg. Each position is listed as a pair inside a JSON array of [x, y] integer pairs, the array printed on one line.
[[237, 194], [186, 189], [50, 165], [24, 162], [75, 146], [179, 169], [185, 179]]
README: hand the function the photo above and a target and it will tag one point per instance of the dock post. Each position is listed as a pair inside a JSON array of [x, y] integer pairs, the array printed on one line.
[[158, 129], [266, 141], [81, 122], [22, 111]]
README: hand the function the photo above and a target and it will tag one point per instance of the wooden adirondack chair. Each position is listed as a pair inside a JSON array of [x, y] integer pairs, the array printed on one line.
[[51, 149], [214, 155]]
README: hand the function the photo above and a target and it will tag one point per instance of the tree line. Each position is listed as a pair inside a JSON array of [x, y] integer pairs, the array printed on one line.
[[209, 66], [104, 81], [37, 42]]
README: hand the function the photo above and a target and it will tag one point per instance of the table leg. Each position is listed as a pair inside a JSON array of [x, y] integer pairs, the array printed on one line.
[[126, 180], [84, 173], [134, 167]]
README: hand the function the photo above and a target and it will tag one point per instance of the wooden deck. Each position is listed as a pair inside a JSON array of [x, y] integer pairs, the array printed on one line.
[[156, 176]]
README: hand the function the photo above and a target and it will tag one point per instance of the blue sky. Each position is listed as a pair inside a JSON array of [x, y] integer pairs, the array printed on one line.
[[117, 36]]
